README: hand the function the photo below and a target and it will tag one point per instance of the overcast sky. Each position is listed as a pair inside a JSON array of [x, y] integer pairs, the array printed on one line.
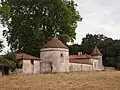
[[99, 17]]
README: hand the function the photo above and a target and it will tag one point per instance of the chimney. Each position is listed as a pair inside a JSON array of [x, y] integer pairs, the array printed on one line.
[[79, 53]]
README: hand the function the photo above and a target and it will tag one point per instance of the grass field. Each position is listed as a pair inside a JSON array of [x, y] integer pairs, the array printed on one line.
[[109, 80]]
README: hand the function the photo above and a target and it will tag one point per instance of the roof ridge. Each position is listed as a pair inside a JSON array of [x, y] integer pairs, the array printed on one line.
[[25, 56], [55, 43], [96, 52]]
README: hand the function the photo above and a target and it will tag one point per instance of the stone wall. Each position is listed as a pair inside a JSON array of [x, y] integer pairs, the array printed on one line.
[[31, 68], [109, 68], [36, 66], [28, 68], [58, 56], [45, 67], [97, 63], [79, 67]]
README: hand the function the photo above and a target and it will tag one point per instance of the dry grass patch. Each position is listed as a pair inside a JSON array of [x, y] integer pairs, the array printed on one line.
[[109, 80]]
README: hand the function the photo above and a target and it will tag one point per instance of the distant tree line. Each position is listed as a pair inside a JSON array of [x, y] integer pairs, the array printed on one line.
[[109, 48]]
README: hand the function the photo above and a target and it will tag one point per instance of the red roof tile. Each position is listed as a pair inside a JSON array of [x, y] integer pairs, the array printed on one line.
[[83, 56], [55, 43], [80, 61], [21, 56], [96, 52]]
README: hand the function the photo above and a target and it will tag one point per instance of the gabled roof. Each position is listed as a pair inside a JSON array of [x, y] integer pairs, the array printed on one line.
[[96, 52], [21, 56], [80, 61], [55, 43], [83, 56]]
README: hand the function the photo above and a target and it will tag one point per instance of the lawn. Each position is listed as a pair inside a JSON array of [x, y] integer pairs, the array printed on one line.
[[105, 80]]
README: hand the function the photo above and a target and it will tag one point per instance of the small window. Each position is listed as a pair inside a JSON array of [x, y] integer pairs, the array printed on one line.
[[61, 55], [32, 62]]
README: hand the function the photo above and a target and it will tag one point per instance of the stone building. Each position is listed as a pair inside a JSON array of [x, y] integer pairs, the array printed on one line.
[[80, 62], [96, 59], [84, 62], [56, 53], [54, 57], [29, 64]]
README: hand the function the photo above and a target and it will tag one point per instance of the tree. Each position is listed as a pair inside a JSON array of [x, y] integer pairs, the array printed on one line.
[[1, 45], [90, 41], [74, 49], [32, 23], [118, 62], [8, 62]]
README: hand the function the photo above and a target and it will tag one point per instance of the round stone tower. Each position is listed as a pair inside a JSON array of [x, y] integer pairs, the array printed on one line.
[[57, 53], [97, 55]]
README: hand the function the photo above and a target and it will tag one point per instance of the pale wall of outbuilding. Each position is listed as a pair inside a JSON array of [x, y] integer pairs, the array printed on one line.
[[97, 62], [79, 67], [28, 68], [59, 58], [36, 66]]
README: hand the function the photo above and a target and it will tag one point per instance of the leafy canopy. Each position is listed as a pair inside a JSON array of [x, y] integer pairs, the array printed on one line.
[[9, 61], [1, 45], [31, 23]]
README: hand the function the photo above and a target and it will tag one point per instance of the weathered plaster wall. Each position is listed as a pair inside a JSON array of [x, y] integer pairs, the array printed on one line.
[[36, 66], [95, 64], [28, 68], [98, 60], [100, 63], [80, 67], [45, 67], [59, 58]]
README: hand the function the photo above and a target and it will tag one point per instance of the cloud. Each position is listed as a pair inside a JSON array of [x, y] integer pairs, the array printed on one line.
[[99, 16]]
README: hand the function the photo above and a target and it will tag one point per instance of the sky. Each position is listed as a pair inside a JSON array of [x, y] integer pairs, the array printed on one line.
[[99, 17]]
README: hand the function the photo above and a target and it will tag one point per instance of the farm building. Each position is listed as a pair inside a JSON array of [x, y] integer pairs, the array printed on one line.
[[54, 57]]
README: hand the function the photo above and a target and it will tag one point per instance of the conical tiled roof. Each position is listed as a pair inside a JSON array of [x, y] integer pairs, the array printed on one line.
[[55, 43], [96, 52]]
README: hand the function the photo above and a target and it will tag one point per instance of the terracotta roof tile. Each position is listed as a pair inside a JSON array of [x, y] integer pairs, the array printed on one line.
[[55, 43], [80, 61], [96, 52], [25, 56], [83, 56]]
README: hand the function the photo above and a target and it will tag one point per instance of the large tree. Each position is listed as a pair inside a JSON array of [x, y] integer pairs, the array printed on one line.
[[31, 23], [1, 45]]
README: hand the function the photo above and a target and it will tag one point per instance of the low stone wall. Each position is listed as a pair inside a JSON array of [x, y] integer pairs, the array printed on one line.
[[45, 67], [19, 71], [79, 67], [0, 72], [109, 68]]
